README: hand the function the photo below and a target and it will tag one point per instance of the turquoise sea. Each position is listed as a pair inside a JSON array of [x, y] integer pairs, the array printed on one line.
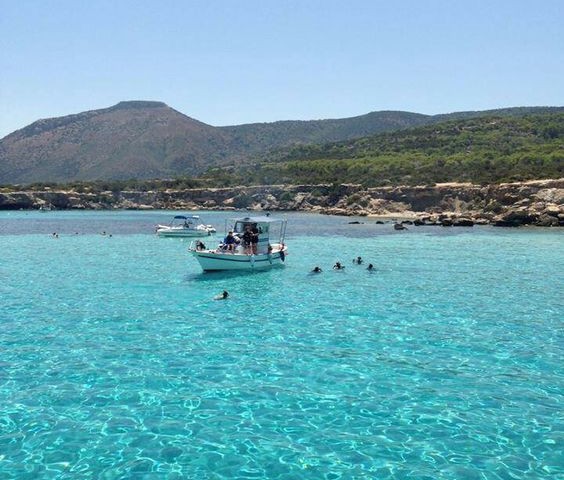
[[116, 362]]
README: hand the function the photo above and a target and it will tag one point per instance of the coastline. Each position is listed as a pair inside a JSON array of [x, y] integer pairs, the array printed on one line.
[[537, 203]]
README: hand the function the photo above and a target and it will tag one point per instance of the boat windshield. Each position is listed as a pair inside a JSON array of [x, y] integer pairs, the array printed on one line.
[[241, 226], [268, 229], [182, 219]]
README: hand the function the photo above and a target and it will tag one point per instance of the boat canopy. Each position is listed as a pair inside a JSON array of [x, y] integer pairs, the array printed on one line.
[[263, 223], [259, 219], [183, 217]]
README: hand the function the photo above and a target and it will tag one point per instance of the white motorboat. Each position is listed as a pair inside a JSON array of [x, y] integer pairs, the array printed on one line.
[[185, 226], [265, 250]]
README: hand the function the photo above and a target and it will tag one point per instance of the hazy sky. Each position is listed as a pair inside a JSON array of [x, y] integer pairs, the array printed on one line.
[[236, 61]]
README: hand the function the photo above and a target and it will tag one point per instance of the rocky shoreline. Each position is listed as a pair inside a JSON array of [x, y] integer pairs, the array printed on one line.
[[539, 203]]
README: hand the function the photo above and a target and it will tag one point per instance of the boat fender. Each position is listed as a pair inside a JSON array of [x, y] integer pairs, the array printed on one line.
[[270, 258], [252, 261]]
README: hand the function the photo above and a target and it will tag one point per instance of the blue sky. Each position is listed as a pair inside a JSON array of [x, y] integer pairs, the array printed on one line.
[[232, 62]]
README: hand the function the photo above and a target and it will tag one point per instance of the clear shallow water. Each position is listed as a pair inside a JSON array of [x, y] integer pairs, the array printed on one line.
[[115, 362]]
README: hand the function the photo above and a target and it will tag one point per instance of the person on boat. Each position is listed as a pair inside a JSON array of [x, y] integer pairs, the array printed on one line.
[[230, 242], [358, 260], [247, 240], [338, 266], [222, 296], [255, 238], [370, 267], [200, 245], [316, 270]]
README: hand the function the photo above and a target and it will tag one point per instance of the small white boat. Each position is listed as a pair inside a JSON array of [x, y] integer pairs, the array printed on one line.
[[185, 226], [267, 249]]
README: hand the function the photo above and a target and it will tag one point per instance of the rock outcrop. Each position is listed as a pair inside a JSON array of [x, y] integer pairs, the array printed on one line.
[[538, 202]]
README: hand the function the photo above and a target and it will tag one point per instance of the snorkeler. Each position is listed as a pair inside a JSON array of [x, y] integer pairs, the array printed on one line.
[[338, 266], [316, 270], [222, 296]]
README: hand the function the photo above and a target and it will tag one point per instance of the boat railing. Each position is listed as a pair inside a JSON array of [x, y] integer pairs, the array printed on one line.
[[197, 246]]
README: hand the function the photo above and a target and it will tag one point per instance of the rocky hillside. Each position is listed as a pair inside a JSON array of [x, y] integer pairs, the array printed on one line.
[[538, 203], [144, 140]]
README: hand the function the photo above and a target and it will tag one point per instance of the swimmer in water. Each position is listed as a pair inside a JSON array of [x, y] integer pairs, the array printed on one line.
[[370, 267], [338, 266], [316, 270], [222, 296]]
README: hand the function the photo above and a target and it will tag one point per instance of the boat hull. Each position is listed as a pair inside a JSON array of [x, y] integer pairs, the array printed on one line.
[[182, 233], [214, 261]]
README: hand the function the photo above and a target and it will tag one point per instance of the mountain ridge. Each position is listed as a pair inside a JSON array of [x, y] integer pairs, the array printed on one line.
[[148, 139]]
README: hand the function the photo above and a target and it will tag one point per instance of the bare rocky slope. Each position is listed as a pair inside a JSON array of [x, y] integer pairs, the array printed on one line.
[[131, 139], [539, 203]]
